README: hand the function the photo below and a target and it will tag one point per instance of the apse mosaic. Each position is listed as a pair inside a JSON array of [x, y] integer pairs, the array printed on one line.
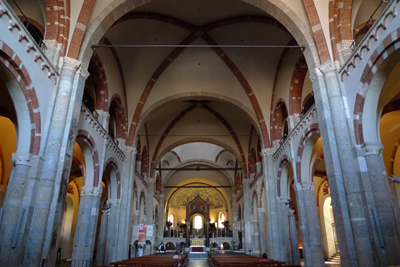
[[180, 197]]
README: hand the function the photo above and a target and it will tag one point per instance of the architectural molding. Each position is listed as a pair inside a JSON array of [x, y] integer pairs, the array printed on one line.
[[22, 159], [88, 190]]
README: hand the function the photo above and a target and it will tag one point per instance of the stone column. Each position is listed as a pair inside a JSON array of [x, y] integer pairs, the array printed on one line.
[[161, 225], [112, 231], [344, 182], [187, 233], [309, 224], [103, 118], [284, 232], [126, 203], [262, 232], [235, 223], [149, 213], [271, 195], [14, 211], [292, 121], [207, 234], [101, 243], [294, 241], [247, 217], [46, 222], [86, 226], [382, 207]]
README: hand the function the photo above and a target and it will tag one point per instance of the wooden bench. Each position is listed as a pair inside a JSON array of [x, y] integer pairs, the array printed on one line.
[[155, 260], [241, 260]]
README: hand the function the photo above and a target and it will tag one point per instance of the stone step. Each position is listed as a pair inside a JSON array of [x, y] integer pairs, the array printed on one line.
[[193, 255]]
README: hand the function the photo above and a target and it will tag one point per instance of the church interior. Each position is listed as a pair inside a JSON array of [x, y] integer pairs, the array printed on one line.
[[254, 126]]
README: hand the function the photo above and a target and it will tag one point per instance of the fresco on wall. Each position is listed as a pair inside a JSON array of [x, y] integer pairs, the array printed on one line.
[[180, 197]]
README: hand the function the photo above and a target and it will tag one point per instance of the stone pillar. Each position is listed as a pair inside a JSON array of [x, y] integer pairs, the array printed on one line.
[[382, 207], [187, 233], [271, 196], [149, 214], [128, 172], [103, 118], [235, 224], [14, 211], [294, 241], [284, 232], [396, 208], [247, 217], [292, 121], [207, 234], [161, 225], [86, 226], [309, 224], [261, 227], [112, 231], [344, 182], [45, 225], [255, 233], [101, 243]]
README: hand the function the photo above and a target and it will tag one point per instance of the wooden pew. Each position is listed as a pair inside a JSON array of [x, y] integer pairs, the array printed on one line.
[[155, 260]]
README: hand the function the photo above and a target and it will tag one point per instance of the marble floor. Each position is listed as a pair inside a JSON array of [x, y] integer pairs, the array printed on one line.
[[198, 263]]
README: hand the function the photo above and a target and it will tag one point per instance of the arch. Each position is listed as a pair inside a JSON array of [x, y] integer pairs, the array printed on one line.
[[121, 121], [283, 161], [279, 120], [142, 207], [305, 147], [383, 60], [85, 140], [25, 99], [114, 187], [98, 73], [296, 86], [145, 161]]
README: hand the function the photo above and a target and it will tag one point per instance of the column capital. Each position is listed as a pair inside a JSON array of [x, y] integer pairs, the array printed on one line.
[[150, 181], [328, 67], [89, 190], [246, 181], [284, 199], [113, 202], [21, 159], [82, 70], [234, 196], [267, 152], [70, 63], [304, 186]]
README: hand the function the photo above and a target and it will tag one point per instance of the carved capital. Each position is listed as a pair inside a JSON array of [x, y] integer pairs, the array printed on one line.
[[70, 63], [344, 45], [113, 202], [284, 200], [304, 186], [328, 67], [88, 190], [267, 152], [21, 159], [246, 181]]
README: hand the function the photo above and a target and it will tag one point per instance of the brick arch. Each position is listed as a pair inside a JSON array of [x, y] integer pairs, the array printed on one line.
[[315, 165], [120, 116], [316, 27], [114, 164], [285, 159], [277, 119], [58, 15], [296, 86], [386, 48], [14, 64], [219, 154], [158, 183], [307, 134], [139, 149], [96, 69], [89, 141]]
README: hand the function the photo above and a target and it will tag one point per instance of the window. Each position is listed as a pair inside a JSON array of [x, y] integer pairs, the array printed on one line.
[[171, 219], [221, 220], [198, 222]]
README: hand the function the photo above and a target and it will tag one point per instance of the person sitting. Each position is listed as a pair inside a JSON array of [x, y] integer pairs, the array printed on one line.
[[264, 257], [162, 248]]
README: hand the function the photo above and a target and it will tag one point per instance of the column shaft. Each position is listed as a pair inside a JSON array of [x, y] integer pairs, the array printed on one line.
[[101, 244]]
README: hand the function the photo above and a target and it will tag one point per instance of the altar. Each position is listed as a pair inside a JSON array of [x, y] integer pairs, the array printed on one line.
[[197, 241]]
